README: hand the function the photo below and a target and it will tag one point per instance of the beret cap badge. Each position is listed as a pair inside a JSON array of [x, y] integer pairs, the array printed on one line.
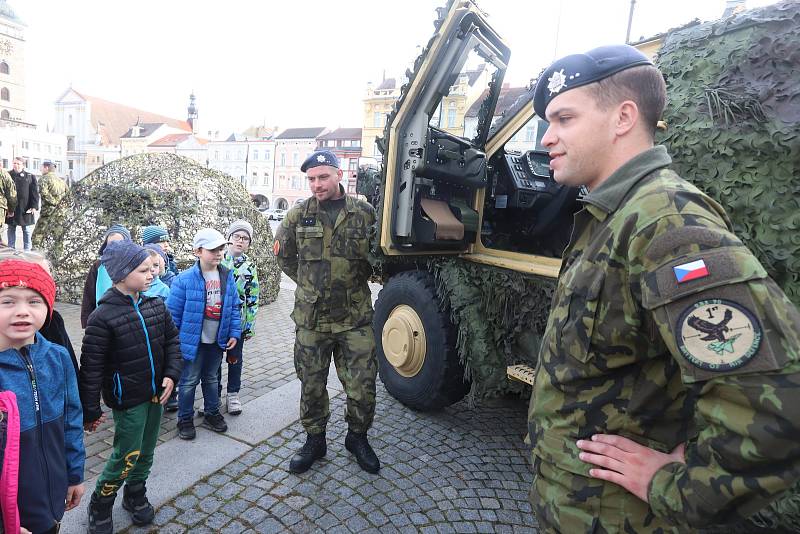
[[556, 82]]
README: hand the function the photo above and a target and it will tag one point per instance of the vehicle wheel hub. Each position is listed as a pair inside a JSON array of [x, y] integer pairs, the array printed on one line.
[[403, 340]]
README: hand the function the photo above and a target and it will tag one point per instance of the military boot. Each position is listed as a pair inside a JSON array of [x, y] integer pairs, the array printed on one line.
[[100, 521], [134, 500], [313, 449], [357, 443]]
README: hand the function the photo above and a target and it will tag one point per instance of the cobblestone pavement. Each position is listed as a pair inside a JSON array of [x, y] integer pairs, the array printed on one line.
[[460, 470]]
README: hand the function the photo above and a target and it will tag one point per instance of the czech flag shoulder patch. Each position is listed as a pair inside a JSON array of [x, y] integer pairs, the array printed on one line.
[[690, 271]]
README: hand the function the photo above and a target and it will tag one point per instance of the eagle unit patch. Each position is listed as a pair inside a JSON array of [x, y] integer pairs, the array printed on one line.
[[718, 335]]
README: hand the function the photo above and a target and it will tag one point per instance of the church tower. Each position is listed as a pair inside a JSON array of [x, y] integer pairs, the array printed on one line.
[[12, 64], [191, 111]]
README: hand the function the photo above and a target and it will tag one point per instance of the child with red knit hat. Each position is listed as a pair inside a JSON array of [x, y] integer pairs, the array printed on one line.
[[40, 373]]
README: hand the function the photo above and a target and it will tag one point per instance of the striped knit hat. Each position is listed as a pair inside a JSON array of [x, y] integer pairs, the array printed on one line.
[[154, 234]]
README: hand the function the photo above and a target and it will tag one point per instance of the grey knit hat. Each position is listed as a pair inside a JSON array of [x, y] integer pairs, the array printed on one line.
[[117, 229], [120, 258], [241, 224]]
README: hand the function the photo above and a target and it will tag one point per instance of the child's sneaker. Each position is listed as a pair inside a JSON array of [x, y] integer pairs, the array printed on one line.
[[100, 521], [215, 422], [134, 500], [186, 429], [234, 404]]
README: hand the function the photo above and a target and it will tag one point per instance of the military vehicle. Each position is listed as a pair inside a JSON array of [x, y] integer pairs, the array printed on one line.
[[471, 223]]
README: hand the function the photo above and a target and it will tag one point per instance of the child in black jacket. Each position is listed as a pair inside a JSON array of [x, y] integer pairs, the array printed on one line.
[[131, 352]]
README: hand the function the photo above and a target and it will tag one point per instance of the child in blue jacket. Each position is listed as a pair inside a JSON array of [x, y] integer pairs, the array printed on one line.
[[204, 304], [42, 377]]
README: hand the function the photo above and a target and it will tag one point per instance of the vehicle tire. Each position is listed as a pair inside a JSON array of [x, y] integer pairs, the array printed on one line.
[[419, 364]]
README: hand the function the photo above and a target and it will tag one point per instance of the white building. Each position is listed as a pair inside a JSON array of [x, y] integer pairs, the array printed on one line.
[[32, 144], [182, 144], [141, 135], [249, 160], [93, 127]]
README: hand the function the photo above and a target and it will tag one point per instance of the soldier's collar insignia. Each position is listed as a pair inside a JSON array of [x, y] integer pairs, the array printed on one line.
[[556, 82], [718, 335]]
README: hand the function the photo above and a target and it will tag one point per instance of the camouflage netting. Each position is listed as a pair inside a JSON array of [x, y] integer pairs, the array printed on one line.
[[163, 189], [501, 315], [734, 130], [733, 120]]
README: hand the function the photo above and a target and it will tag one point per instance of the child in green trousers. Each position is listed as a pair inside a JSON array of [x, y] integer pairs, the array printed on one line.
[[131, 354]]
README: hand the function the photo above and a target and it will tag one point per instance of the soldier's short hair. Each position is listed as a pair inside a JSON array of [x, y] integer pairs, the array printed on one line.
[[20, 159], [643, 84]]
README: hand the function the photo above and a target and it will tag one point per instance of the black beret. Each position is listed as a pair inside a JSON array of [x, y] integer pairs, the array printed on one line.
[[320, 157], [581, 69]]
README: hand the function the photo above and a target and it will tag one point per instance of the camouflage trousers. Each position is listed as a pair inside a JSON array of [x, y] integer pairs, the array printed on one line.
[[354, 356], [570, 503]]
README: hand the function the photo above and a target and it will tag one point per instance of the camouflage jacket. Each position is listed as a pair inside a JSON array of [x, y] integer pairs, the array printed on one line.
[[246, 276], [330, 264], [8, 193], [665, 329], [52, 190]]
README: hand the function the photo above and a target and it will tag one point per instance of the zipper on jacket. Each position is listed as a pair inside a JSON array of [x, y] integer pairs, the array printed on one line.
[[149, 349], [37, 408]]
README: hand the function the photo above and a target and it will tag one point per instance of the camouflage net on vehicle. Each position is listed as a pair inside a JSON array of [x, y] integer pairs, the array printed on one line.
[[734, 131], [164, 189], [733, 119], [501, 316]]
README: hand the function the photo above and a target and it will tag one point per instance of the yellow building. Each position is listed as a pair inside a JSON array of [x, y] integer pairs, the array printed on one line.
[[380, 100], [377, 106]]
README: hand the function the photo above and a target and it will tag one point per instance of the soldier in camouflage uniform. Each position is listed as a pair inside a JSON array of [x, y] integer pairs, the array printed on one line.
[[322, 244], [665, 396], [8, 198], [51, 191]]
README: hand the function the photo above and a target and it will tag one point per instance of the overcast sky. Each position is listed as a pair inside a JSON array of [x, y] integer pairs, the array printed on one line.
[[292, 64]]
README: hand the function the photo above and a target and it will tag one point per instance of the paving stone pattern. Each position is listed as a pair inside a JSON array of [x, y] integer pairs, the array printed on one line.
[[460, 470]]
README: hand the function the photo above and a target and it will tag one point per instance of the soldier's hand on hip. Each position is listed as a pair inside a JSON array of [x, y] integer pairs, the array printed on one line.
[[625, 462]]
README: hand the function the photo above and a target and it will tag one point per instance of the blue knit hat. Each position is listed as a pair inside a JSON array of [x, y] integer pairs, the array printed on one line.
[[115, 229], [157, 248], [120, 258], [154, 234]]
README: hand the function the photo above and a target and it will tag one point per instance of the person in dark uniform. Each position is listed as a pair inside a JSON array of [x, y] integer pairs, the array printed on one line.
[[27, 204]]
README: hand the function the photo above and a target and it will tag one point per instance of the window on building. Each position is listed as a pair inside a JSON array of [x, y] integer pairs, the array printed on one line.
[[377, 119], [254, 179], [283, 159], [255, 154], [5, 114], [5, 163], [216, 155], [26, 145], [70, 143], [37, 147], [69, 120], [3, 67], [36, 163], [5, 94], [295, 159], [71, 165], [295, 182], [530, 133], [267, 155], [227, 155], [451, 115], [266, 178]]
